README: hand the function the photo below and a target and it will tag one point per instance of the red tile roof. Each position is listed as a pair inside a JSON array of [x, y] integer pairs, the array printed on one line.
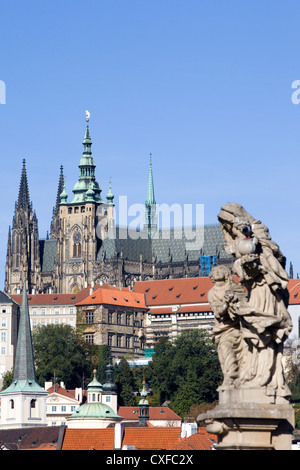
[[201, 441], [54, 299], [294, 291], [165, 438], [89, 439], [114, 296], [143, 438], [175, 291], [155, 413], [61, 390]]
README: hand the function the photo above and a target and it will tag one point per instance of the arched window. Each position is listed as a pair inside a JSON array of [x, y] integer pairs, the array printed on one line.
[[12, 404], [33, 408], [77, 244]]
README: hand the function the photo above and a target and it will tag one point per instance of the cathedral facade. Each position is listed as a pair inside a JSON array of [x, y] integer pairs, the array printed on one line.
[[86, 247]]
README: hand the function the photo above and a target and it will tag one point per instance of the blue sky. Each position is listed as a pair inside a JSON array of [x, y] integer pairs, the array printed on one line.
[[205, 86]]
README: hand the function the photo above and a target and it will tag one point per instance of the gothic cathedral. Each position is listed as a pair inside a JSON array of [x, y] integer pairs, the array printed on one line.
[[79, 251]]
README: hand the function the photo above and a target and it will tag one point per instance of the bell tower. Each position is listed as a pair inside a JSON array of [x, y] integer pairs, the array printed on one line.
[[83, 223]]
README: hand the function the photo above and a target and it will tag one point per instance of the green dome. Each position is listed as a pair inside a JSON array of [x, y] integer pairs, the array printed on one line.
[[94, 385], [94, 410]]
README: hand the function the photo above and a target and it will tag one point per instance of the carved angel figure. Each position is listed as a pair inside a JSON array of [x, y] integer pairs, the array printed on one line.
[[253, 322]]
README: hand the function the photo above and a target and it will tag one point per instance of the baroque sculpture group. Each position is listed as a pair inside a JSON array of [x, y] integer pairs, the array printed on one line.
[[250, 305]]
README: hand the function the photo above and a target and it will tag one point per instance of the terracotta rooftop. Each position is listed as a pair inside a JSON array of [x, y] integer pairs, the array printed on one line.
[[143, 438], [54, 299], [175, 291], [155, 413], [89, 439], [114, 296], [294, 291]]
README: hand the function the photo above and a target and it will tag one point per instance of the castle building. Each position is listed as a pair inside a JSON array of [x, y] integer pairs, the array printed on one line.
[[86, 246]]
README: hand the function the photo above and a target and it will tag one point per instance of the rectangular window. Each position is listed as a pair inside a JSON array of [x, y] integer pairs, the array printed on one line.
[[43, 311], [89, 318], [56, 311], [3, 322], [89, 339], [63, 408], [71, 311], [3, 336], [53, 408]]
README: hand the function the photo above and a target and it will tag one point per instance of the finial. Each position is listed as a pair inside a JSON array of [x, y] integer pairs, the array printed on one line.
[[87, 116]]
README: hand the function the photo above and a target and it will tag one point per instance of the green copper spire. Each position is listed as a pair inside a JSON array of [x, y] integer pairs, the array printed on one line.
[[110, 196], [150, 194], [87, 179], [150, 205], [24, 378], [143, 406]]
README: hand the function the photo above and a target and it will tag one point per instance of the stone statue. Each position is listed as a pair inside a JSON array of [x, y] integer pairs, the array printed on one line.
[[252, 321]]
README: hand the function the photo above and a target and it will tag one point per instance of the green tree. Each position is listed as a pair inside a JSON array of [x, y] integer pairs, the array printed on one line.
[[103, 357], [125, 383], [186, 371], [7, 378], [59, 352]]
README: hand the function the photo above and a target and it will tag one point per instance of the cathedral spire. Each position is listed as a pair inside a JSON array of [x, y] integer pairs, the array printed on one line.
[[24, 378], [150, 194], [23, 198], [87, 180], [150, 204], [61, 183]]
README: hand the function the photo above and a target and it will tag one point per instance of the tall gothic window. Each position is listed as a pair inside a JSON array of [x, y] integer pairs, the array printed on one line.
[[77, 244]]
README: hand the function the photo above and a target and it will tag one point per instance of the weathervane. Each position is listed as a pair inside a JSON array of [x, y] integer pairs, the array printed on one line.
[[87, 116]]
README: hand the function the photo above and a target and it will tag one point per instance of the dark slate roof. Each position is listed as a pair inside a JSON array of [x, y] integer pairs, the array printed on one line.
[[177, 243], [5, 299], [48, 254], [128, 242], [44, 437], [131, 244]]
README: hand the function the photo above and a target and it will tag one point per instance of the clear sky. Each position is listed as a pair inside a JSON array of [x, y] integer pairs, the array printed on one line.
[[203, 85]]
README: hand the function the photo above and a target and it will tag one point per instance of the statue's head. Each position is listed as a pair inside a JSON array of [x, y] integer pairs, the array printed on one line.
[[220, 273]]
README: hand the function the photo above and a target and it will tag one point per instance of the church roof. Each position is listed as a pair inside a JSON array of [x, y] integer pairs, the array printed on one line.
[[48, 254], [164, 243]]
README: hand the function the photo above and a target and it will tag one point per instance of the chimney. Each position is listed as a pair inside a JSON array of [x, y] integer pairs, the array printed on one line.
[[92, 288], [119, 432], [187, 429]]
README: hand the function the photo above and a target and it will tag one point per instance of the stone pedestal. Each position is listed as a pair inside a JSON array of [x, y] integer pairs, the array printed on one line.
[[251, 419]]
